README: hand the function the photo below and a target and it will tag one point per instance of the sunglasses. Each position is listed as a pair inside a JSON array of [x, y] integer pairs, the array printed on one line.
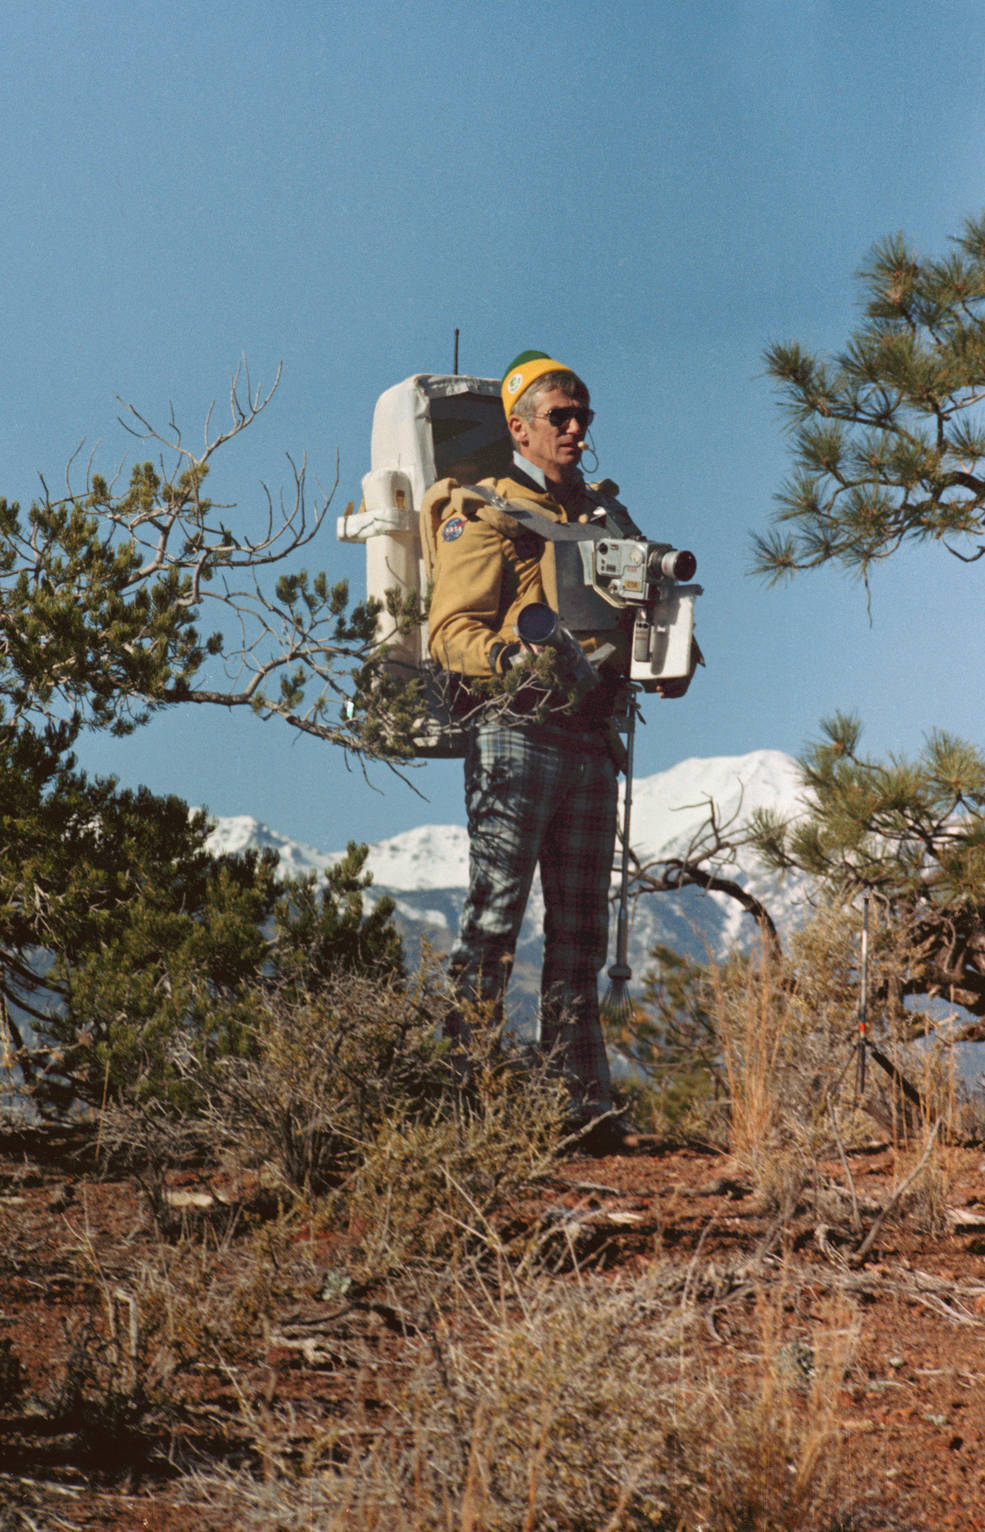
[[563, 413]]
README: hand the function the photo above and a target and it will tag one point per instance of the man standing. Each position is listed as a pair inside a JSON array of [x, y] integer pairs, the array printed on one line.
[[541, 765]]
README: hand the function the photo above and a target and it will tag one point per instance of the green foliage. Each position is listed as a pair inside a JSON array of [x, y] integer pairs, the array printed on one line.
[[169, 972], [889, 445], [387, 710], [158, 985], [86, 635], [907, 830], [912, 834], [122, 940], [103, 592], [320, 934], [547, 685], [671, 1038], [87, 865]]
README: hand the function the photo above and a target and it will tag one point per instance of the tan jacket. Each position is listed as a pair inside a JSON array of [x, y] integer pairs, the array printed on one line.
[[486, 566]]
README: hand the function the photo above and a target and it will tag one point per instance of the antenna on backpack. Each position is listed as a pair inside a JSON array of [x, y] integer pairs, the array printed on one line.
[[454, 365]]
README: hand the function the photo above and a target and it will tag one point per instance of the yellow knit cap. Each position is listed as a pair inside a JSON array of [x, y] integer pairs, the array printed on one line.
[[524, 370]]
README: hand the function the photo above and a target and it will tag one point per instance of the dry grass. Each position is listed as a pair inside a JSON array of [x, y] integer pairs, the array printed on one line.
[[524, 1396], [347, 1130], [787, 1030], [587, 1407]]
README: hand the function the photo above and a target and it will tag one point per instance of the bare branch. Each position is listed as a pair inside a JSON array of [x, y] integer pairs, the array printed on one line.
[[679, 873]]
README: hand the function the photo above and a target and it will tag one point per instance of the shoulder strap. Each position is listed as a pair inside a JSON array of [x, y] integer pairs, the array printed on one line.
[[448, 498], [526, 520], [605, 492], [509, 517]]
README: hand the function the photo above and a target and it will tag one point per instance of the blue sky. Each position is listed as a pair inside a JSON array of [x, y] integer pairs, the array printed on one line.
[[652, 192]]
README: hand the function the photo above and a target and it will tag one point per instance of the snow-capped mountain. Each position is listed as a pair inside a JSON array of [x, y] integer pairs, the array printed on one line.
[[425, 870]]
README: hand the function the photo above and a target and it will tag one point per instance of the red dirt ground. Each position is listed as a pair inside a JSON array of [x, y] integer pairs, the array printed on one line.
[[913, 1403]]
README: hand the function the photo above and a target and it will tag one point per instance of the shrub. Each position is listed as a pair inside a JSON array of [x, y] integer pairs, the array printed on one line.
[[324, 1070], [170, 979]]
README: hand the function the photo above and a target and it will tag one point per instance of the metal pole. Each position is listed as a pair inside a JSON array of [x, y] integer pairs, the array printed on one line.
[[863, 999], [620, 973], [454, 367]]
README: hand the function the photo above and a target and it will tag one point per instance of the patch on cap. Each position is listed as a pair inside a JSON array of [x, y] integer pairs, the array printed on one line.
[[524, 370]]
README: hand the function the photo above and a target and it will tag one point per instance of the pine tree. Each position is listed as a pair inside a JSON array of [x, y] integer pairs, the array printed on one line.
[[889, 445], [911, 834], [122, 941], [103, 593], [330, 930]]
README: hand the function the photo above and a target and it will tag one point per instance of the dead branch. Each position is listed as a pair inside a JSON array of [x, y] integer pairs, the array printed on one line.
[[712, 848]]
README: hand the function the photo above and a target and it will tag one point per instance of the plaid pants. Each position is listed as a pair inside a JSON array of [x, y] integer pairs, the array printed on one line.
[[536, 793]]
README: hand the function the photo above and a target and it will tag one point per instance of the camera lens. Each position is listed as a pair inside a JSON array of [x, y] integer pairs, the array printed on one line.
[[535, 623], [677, 563]]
